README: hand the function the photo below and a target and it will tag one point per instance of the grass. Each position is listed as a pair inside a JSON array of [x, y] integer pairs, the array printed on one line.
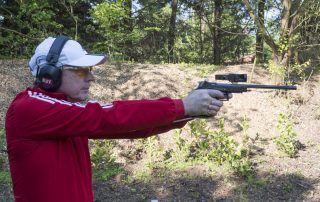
[[5, 178]]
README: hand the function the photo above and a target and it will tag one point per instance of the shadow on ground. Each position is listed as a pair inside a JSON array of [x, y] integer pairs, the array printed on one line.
[[272, 187]]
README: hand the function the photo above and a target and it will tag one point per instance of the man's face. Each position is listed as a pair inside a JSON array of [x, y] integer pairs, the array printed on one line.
[[75, 83]]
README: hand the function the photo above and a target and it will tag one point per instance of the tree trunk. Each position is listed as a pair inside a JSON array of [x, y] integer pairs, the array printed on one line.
[[268, 39], [172, 30], [217, 33], [129, 28], [201, 37], [199, 10], [259, 34], [281, 51]]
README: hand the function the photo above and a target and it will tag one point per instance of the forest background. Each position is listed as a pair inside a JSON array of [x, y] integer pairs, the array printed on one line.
[[279, 37], [179, 31]]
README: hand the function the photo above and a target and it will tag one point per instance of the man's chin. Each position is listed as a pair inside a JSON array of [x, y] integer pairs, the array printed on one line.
[[83, 98]]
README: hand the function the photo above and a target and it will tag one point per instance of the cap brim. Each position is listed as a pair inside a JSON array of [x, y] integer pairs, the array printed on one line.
[[88, 60]]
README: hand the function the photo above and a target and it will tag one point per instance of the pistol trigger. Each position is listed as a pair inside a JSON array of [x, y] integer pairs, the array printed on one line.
[[226, 97]]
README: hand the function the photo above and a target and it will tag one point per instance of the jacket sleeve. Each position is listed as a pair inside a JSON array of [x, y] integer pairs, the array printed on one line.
[[42, 117], [143, 133]]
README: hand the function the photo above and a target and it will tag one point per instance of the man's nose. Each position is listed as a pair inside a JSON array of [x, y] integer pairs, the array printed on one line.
[[90, 77]]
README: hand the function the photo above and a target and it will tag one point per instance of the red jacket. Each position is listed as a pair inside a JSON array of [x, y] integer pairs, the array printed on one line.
[[47, 139]]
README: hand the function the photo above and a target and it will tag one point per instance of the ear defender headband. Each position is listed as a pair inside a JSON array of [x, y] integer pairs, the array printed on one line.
[[49, 74]]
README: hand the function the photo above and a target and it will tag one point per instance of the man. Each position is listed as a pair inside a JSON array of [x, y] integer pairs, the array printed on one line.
[[47, 129]]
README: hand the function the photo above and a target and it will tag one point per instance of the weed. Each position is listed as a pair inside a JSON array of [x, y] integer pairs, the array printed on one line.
[[277, 72], [205, 147], [102, 160], [202, 143], [219, 147], [317, 113], [286, 142], [4, 172], [243, 196], [144, 175], [300, 69], [244, 124], [288, 187], [5, 177], [258, 182], [153, 152], [182, 148]]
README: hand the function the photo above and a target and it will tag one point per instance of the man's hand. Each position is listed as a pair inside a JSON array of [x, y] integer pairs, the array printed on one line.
[[203, 103]]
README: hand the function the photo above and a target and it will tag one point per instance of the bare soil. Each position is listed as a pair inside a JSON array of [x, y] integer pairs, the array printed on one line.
[[277, 177]]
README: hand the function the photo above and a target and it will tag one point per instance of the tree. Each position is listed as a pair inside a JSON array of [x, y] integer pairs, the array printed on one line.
[[152, 23], [172, 30], [198, 19], [289, 27], [218, 9], [307, 43], [24, 24], [128, 26], [259, 34]]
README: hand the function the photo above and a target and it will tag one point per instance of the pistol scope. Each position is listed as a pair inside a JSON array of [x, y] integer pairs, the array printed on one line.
[[232, 77]]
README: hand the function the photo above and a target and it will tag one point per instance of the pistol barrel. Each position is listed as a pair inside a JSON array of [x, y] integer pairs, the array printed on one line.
[[271, 87]]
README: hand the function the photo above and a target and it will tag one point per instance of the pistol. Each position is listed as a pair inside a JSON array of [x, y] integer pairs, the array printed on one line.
[[226, 89]]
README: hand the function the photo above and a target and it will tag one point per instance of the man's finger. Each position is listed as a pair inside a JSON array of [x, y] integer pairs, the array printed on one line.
[[217, 102], [212, 113], [215, 94]]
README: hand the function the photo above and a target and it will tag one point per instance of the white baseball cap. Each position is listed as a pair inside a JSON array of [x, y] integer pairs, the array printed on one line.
[[72, 54]]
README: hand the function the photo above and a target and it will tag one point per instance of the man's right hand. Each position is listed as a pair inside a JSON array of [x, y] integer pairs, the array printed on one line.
[[203, 102]]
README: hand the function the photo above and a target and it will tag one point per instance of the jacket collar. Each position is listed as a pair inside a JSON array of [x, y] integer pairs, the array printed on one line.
[[57, 95]]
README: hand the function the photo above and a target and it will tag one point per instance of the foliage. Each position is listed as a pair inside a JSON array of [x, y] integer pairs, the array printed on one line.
[[306, 42], [227, 150], [217, 146], [153, 152], [33, 20], [199, 146], [110, 17], [4, 173], [102, 159], [244, 124], [24, 24], [300, 69], [278, 72], [181, 153], [286, 141], [5, 177], [138, 31]]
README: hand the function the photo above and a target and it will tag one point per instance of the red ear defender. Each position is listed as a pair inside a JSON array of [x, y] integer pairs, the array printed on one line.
[[49, 78], [49, 74]]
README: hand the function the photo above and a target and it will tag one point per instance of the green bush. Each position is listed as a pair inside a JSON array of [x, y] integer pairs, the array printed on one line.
[[200, 146], [287, 141], [4, 168], [102, 159], [218, 146], [154, 153]]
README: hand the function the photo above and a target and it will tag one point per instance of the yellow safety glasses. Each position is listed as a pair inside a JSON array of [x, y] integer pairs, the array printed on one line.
[[81, 72]]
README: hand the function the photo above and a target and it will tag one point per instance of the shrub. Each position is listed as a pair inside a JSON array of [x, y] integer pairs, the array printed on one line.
[[102, 160], [286, 142], [220, 147]]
